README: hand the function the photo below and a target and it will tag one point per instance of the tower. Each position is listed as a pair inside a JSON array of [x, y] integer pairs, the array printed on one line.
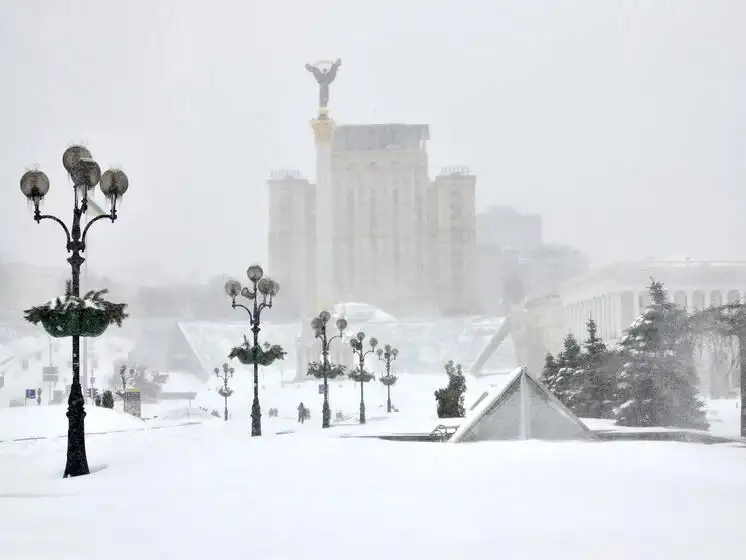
[[323, 133]]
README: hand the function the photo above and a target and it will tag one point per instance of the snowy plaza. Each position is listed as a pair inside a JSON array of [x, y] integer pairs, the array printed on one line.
[[186, 484], [384, 280]]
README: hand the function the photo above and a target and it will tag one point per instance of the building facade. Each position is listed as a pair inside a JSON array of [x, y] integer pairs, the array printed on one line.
[[292, 239], [380, 181], [396, 240], [452, 240]]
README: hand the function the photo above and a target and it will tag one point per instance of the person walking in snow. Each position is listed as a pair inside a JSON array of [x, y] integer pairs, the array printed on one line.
[[301, 413]]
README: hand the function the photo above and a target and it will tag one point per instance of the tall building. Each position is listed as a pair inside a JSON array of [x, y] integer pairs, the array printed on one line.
[[380, 181], [292, 240], [390, 237], [451, 235]]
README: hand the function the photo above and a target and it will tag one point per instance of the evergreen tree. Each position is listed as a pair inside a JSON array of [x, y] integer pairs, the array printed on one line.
[[569, 361], [550, 371], [450, 399], [595, 378], [107, 399], [658, 381]]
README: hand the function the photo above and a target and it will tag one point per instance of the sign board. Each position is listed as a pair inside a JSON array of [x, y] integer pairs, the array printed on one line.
[[321, 388], [49, 374], [2, 381], [30, 393], [132, 402], [24, 365]]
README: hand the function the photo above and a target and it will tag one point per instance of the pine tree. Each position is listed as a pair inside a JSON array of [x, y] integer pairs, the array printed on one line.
[[568, 362], [549, 373], [595, 378], [658, 381], [450, 399], [107, 399]]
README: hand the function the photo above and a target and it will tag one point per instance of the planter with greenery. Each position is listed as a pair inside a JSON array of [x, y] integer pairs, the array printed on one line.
[[67, 316], [248, 354]]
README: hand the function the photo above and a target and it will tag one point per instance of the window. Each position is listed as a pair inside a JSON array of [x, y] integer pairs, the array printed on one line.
[[698, 300]]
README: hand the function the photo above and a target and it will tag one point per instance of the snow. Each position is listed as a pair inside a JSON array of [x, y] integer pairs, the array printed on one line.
[[34, 421], [208, 490], [211, 491]]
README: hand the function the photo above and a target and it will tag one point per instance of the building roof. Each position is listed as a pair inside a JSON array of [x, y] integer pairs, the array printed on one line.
[[369, 137]]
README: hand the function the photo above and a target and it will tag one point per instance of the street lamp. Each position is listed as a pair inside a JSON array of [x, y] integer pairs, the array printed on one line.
[[388, 355], [361, 375], [319, 326], [266, 288], [85, 174], [225, 391]]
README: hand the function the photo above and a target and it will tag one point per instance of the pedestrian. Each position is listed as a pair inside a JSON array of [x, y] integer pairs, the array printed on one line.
[[301, 413]]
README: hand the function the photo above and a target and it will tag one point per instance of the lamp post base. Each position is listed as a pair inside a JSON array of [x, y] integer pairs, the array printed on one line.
[[77, 461], [326, 414], [256, 418]]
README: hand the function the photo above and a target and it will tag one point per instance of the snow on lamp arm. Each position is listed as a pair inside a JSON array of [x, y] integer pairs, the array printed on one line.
[[264, 288]]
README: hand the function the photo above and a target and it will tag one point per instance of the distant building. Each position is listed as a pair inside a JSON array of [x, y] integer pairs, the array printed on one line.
[[380, 182], [513, 262], [399, 241], [512, 231], [452, 241], [292, 240]]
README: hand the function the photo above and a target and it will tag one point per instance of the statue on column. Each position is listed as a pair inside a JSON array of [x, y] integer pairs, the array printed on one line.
[[325, 72]]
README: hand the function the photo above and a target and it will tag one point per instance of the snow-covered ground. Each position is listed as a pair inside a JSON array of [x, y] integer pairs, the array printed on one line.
[[209, 491]]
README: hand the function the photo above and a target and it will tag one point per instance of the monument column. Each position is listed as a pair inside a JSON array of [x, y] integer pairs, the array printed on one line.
[[323, 132]]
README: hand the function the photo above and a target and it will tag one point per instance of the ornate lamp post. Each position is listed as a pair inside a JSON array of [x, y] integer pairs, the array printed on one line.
[[264, 288], [388, 355], [225, 391], [80, 320], [319, 326], [361, 375]]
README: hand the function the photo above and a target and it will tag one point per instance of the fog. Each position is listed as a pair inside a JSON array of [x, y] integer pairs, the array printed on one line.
[[621, 123]]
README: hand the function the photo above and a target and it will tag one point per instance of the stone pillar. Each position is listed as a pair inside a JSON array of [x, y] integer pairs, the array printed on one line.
[[323, 131]]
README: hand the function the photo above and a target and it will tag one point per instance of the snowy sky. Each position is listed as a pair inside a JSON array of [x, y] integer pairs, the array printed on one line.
[[622, 123]]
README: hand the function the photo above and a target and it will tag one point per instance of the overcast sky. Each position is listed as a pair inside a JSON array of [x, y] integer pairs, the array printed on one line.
[[622, 123]]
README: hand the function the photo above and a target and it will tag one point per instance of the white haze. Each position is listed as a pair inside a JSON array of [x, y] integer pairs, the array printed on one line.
[[621, 123]]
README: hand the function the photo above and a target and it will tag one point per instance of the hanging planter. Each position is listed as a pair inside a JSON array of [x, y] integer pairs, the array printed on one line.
[[333, 371], [248, 354], [88, 316], [357, 377]]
